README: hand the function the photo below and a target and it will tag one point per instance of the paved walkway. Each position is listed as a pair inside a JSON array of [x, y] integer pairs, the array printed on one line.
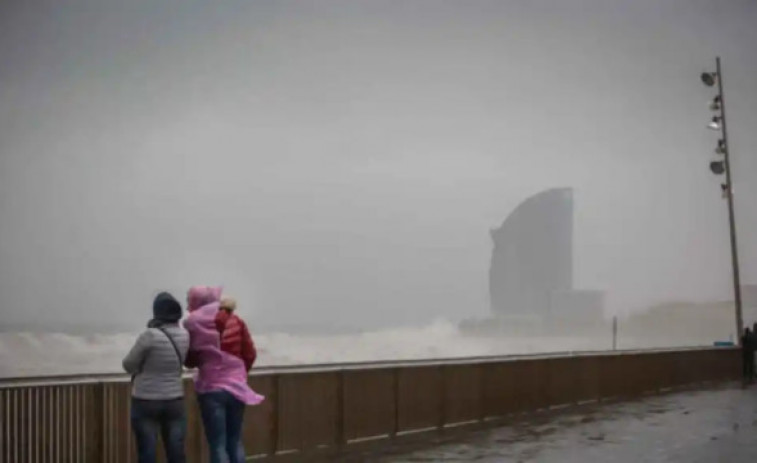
[[715, 426]]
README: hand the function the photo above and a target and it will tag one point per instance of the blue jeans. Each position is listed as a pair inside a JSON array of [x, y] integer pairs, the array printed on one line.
[[167, 416], [222, 416]]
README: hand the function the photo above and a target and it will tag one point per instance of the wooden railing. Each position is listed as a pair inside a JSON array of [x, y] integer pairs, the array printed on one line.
[[329, 407]]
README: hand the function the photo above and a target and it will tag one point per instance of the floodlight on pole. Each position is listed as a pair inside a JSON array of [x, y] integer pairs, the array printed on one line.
[[721, 147], [717, 167], [709, 78], [715, 104]]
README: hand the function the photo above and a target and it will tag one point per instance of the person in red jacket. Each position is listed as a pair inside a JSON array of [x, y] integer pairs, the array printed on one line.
[[222, 412], [234, 335]]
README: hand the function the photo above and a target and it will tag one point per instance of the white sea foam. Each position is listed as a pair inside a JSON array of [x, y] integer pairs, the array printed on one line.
[[34, 354]]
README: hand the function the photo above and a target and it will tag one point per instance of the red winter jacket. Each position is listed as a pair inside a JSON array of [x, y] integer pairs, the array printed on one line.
[[235, 337]]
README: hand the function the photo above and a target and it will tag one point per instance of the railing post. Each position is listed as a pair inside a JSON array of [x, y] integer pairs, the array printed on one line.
[[340, 431], [195, 441], [275, 418], [481, 392], [396, 393], [95, 423], [442, 397]]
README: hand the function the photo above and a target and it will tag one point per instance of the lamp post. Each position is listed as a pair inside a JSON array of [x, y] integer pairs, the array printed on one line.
[[723, 166]]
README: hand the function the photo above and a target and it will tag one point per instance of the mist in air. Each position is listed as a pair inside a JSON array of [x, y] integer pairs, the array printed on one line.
[[339, 167]]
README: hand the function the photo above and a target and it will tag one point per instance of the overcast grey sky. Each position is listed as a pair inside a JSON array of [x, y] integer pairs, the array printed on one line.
[[343, 162]]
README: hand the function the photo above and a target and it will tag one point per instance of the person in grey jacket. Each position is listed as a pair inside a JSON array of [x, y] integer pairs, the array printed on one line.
[[156, 365]]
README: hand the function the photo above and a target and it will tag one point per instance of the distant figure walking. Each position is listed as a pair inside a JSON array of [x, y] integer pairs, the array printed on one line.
[[222, 349], [754, 350], [747, 355], [156, 364]]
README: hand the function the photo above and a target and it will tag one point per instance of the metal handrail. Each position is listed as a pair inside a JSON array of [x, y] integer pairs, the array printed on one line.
[[85, 378]]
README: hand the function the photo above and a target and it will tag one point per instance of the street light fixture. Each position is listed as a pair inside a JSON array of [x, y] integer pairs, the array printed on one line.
[[714, 123], [720, 167], [717, 167], [721, 147], [715, 104], [709, 78]]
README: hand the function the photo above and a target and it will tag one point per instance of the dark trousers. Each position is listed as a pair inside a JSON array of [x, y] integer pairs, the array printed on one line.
[[222, 416], [167, 417], [747, 360], [748, 365]]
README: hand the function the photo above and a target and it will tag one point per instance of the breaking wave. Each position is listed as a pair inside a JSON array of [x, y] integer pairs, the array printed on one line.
[[38, 354]]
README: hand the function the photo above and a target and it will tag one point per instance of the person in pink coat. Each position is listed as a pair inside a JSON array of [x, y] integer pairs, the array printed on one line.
[[221, 378]]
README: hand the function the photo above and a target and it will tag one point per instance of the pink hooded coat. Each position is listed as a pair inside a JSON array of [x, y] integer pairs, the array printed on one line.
[[218, 370]]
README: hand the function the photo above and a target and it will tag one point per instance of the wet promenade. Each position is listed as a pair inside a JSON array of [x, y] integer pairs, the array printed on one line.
[[718, 425]]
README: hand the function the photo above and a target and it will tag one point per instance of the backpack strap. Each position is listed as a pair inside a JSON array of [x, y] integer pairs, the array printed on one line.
[[175, 348]]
